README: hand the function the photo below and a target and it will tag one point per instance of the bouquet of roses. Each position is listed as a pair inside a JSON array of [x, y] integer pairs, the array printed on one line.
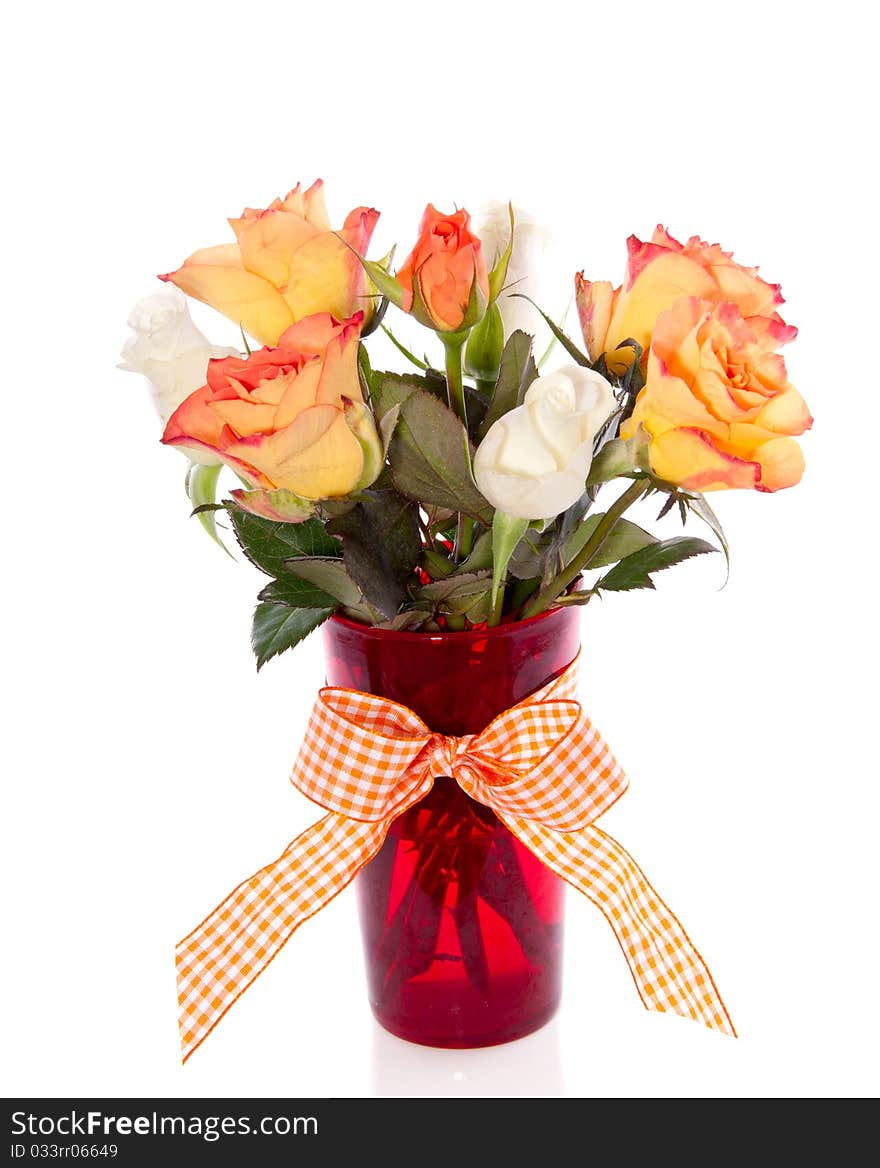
[[462, 491]]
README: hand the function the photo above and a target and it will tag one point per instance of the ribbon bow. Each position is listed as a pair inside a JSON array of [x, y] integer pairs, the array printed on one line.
[[540, 766]]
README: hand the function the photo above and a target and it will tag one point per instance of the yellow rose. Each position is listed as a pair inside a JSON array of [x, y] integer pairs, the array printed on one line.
[[287, 264], [657, 274], [717, 403], [289, 418]]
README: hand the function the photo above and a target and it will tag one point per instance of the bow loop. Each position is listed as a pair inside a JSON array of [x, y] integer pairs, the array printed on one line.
[[545, 761], [357, 752]]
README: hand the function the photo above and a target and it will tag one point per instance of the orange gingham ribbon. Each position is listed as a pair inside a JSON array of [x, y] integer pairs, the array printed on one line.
[[542, 768]]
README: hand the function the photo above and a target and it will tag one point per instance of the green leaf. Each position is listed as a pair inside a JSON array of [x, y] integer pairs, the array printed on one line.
[[507, 531], [329, 575], [518, 371], [403, 349], [545, 356], [277, 627], [437, 565], [331, 508], [390, 288], [623, 539], [460, 596], [499, 272], [379, 311], [634, 570], [575, 598], [481, 556], [393, 389], [530, 555], [697, 503], [365, 372], [427, 457], [372, 292], [671, 500], [381, 546], [477, 611], [520, 592], [569, 346], [386, 427], [409, 620], [620, 457], [268, 544], [201, 486], [466, 585], [569, 520], [482, 358], [296, 593]]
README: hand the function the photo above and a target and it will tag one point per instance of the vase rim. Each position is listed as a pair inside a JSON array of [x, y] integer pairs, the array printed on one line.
[[511, 628]]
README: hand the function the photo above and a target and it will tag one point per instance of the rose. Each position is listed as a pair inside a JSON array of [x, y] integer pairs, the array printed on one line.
[[717, 403], [657, 274], [523, 270], [171, 353], [443, 281], [278, 417], [534, 461], [287, 264]]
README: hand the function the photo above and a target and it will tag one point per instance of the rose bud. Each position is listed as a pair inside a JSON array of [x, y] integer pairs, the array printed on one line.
[[533, 462], [443, 281]]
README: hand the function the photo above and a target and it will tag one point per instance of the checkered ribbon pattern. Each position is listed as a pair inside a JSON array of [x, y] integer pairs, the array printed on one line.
[[542, 768]]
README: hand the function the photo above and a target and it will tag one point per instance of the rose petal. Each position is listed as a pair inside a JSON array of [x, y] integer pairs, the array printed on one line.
[[689, 458], [240, 295]]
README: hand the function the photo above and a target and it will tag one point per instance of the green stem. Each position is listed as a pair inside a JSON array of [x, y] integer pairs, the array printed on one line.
[[560, 583], [464, 537], [497, 607], [454, 346]]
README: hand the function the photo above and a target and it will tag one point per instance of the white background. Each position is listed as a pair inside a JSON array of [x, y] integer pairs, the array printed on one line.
[[146, 761]]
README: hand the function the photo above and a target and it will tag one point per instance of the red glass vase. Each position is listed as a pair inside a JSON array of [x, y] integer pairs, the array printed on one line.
[[462, 925]]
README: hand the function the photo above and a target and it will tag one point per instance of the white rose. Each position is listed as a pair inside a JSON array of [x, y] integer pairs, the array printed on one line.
[[524, 271], [534, 461], [171, 353]]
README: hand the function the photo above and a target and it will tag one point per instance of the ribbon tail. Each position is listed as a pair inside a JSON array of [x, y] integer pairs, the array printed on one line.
[[668, 971], [223, 955]]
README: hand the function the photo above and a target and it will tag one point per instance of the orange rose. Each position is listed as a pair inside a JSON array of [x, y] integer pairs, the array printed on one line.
[[286, 265], [278, 417], [447, 270], [717, 402], [657, 274]]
